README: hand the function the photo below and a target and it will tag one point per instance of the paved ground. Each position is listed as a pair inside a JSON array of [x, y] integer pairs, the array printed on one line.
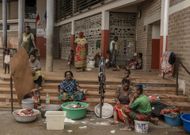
[[88, 126]]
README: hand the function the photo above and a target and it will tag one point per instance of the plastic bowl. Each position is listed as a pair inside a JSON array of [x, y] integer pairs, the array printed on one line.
[[186, 122], [75, 113], [173, 121], [107, 110]]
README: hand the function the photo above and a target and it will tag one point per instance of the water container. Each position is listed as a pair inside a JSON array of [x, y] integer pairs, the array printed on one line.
[[55, 120]]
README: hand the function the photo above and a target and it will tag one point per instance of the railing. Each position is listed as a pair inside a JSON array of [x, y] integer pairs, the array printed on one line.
[[178, 63], [66, 8]]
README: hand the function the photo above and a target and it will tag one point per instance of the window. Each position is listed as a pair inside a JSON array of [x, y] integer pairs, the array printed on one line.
[[30, 9]]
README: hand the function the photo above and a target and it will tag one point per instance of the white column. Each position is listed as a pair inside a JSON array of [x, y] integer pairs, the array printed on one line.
[[73, 27], [105, 32], [164, 22], [105, 20], [4, 17], [49, 35], [21, 16]]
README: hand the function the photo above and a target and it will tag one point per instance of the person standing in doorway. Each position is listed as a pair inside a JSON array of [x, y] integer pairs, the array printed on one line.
[[81, 52], [114, 52], [28, 40]]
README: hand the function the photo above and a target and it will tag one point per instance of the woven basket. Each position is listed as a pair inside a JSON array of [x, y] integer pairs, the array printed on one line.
[[26, 119]]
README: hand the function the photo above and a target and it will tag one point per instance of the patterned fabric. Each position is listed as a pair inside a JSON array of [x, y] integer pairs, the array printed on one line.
[[76, 96], [120, 114], [166, 67], [69, 86], [81, 52]]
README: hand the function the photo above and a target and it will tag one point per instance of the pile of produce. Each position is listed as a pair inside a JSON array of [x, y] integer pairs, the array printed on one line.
[[25, 112]]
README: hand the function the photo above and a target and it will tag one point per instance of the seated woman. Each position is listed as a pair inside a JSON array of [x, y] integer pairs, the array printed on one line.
[[37, 77], [69, 89], [139, 108], [122, 99], [127, 74], [135, 62]]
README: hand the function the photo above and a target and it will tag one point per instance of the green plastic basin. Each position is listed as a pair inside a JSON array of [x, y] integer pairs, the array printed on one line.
[[75, 113]]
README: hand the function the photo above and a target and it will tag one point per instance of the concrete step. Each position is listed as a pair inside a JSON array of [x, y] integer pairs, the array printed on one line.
[[177, 101], [54, 99], [95, 92], [7, 105]]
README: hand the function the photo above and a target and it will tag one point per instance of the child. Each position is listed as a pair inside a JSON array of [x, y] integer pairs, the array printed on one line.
[[97, 58], [37, 77], [71, 58], [7, 59], [108, 59]]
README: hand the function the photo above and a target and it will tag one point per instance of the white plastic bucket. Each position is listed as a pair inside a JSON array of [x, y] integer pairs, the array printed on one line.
[[28, 103], [91, 64], [141, 126], [55, 120]]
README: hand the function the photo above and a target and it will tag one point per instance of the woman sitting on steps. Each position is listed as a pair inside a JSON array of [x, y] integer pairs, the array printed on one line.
[[69, 89]]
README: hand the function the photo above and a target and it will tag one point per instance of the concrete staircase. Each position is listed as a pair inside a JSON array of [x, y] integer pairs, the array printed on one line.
[[163, 88]]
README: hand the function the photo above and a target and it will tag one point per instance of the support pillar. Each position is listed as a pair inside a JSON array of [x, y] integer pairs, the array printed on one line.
[[72, 39], [21, 16], [4, 16], [164, 26], [105, 32], [49, 35]]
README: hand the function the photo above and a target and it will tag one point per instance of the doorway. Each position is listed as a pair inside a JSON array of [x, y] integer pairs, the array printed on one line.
[[155, 64]]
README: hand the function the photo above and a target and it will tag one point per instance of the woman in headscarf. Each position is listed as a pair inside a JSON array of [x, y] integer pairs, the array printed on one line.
[[81, 52], [69, 89]]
